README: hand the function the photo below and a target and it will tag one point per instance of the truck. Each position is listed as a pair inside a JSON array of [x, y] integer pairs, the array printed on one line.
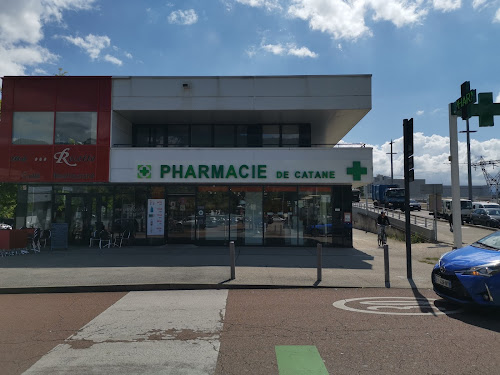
[[389, 196], [447, 209], [356, 195]]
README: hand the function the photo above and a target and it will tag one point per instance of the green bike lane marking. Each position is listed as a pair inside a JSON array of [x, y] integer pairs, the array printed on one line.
[[299, 360]]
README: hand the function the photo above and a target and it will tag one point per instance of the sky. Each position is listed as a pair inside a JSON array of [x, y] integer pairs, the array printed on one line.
[[418, 52]]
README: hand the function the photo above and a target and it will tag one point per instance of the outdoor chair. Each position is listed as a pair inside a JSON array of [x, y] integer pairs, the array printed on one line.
[[95, 238], [45, 237], [122, 239], [104, 239], [35, 244]]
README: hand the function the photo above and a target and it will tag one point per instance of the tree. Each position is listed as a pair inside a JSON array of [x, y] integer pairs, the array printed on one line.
[[61, 72], [8, 200]]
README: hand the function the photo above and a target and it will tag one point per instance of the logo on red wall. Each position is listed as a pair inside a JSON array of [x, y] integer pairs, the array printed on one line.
[[65, 157]]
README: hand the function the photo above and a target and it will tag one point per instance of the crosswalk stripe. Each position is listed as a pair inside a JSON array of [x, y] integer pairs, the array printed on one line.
[[299, 360]]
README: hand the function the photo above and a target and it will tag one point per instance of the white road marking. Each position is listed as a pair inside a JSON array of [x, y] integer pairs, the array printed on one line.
[[387, 305], [167, 332]]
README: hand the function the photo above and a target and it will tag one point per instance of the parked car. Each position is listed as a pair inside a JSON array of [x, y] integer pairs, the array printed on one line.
[[476, 205], [414, 205], [470, 275], [489, 217]]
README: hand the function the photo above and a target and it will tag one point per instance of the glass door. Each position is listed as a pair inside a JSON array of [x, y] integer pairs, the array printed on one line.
[[181, 218], [79, 212]]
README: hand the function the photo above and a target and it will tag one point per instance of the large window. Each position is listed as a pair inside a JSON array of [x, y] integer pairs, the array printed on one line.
[[224, 136], [33, 128], [178, 136], [271, 135], [149, 136], [218, 135], [201, 135], [76, 128]]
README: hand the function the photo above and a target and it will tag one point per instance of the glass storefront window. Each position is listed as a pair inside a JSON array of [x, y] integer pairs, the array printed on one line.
[[213, 213], [315, 215], [33, 128], [76, 128], [39, 212], [280, 215], [246, 215]]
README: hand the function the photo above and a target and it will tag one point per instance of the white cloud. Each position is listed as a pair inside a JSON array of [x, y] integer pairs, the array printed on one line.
[[337, 18], [497, 99], [497, 16], [400, 13], [420, 113], [478, 3], [113, 60], [302, 52], [431, 158], [283, 49], [276, 49], [183, 17], [268, 4], [21, 31], [92, 44], [447, 5]]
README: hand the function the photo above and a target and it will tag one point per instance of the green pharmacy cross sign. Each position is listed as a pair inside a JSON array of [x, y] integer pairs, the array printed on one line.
[[144, 171], [485, 109], [356, 170]]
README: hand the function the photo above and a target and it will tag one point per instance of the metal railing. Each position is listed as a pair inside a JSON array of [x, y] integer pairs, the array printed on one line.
[[398, 214]]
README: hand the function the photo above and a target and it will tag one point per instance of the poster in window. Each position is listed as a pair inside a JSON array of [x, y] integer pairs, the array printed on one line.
[[156, 217]]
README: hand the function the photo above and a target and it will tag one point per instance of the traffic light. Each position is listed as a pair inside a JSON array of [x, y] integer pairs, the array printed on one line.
[[408, 149]]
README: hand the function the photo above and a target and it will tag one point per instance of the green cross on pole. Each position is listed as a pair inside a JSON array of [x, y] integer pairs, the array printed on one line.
[[485, 109], [357, 170]]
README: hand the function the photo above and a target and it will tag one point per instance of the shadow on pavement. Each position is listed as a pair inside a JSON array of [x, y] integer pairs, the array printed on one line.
[[190, 256]]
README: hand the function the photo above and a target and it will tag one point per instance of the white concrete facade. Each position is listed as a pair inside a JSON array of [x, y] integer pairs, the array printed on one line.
[[333, 105]]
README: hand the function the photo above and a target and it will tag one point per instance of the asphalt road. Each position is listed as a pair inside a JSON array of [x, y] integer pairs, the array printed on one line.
[[329, 331]]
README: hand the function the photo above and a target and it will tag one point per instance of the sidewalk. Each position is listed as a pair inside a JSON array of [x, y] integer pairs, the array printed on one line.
[[195, 267]]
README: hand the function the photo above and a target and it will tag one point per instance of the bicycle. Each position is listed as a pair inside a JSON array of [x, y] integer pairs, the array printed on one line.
[[382, 236]]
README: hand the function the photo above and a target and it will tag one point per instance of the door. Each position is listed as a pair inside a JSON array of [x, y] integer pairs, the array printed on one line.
[[181, 221], [79, 212], [82, 212]]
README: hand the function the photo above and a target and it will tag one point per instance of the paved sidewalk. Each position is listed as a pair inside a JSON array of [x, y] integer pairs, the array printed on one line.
[[197, 267]]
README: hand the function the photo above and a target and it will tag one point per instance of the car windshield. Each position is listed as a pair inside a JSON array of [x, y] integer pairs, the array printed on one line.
[[492, 241], [493, 211], [395, 193], [466, 204]]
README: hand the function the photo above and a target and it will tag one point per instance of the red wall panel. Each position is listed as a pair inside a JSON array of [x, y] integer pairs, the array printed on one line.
[[35, 94], [78, 94], [56, 163]]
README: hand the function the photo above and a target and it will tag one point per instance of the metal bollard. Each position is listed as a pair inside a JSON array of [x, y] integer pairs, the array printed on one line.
[[232, 260], [386, 264], [319, 248]]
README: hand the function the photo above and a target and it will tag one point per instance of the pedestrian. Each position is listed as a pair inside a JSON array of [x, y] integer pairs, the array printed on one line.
[[450, 218]]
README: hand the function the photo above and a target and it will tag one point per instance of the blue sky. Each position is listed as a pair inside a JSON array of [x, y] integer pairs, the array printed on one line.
[[419, 53]]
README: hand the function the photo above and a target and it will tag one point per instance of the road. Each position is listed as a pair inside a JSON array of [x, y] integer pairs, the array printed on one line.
[[470, 233], [270, 331]]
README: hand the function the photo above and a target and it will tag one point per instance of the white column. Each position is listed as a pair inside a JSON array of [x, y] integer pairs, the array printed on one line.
[[455, 181]]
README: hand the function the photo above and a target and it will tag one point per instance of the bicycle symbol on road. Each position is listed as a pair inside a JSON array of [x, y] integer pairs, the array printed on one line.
[[397, 306]]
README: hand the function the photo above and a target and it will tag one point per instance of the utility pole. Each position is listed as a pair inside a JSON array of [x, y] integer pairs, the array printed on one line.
[[392, 169]]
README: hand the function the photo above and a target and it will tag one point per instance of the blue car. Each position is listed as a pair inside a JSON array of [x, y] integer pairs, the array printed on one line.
[[470, 275]]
